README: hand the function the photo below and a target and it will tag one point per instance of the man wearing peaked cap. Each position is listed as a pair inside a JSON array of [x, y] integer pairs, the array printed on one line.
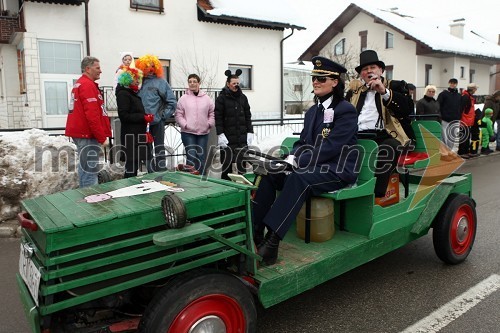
[[321, 160], [382, 109]]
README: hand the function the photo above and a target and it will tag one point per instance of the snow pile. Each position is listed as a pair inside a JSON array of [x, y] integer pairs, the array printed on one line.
[[32, 163]]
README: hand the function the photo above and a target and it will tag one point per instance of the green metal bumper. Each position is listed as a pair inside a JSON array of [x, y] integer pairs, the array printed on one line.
[[30, 309]]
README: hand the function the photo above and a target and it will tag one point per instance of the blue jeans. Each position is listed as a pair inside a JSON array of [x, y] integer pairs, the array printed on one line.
[[88, 161], [196, 150]]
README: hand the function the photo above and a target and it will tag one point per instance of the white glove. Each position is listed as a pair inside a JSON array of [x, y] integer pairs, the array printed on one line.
[[249, 138], [222, 141], [105, 144], [290, 159]]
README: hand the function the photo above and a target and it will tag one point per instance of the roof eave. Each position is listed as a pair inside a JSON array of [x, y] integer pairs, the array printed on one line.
[[205, 16], [60, 2]]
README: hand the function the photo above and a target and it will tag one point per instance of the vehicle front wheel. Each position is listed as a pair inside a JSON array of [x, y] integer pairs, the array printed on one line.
[[455, 229], [208, 302]]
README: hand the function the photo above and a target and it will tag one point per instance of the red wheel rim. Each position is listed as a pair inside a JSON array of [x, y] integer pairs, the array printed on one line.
[[221, 306], [462, 230]]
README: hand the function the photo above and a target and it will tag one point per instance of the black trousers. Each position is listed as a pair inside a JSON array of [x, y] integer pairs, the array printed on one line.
[[228, 156], [464, 136], [389, 150]]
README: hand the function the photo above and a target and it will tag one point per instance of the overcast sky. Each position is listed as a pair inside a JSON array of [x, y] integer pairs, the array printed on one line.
[[482, 16]]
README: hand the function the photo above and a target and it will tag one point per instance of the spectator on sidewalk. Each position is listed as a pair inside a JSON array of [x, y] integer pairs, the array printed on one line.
[[159, 100], [467, 116], [487, 132], [428, 105], [449, 106], [88, 122], [493, 102]]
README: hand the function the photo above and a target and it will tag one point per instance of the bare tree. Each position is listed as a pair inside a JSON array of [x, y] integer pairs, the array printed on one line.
[[349, 59], [298, 89], [201, 63]]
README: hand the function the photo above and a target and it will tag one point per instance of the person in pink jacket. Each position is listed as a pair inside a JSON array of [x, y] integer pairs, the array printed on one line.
[[195, 116]]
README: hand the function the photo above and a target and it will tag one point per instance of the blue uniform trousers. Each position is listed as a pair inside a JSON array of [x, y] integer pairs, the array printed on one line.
[[278, 212]]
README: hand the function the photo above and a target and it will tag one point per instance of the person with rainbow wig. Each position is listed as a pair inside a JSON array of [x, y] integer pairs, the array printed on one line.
[[134, 120], [159, 101]]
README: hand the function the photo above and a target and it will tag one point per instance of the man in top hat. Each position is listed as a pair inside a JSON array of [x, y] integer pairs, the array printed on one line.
[[321, 160], [381, 111]]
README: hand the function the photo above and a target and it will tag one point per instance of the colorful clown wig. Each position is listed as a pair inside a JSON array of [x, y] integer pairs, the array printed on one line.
[[127, 77], [150, 65]]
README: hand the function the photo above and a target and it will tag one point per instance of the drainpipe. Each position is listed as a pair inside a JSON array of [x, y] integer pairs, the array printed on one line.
[[282, 103], [87, 35]]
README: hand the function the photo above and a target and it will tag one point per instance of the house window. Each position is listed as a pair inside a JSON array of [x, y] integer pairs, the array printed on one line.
[[60, 57], [153, 5], [340, 47], [166, 69], [428, 70], [245, 77], [297, 87], [462, 72], [364, 40], [389, 70], [56, 98], [389, 40], [472, 75]]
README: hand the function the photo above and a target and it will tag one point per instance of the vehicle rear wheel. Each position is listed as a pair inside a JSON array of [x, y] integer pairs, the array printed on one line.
[[455, 229], [208, 302]]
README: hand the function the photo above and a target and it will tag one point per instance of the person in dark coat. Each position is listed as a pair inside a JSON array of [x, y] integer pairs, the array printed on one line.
[[233, 123], [323, 160], [449, 106], [428, 104], [133, 120]]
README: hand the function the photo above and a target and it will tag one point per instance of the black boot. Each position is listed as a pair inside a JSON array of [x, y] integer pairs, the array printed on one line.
[[268, 249], [258, 237]]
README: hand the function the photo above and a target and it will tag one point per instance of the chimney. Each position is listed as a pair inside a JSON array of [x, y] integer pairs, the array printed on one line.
[[457, 28]]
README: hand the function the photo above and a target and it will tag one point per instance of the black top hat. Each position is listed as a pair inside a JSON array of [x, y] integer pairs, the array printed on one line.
[[326, 67], [369, 57]]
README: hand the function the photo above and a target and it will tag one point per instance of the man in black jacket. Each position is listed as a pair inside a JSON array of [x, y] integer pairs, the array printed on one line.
[[233, 123], [449, 105]]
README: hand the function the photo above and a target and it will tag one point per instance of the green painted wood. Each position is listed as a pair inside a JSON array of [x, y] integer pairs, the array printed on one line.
[[237, 247], [190, 233], [29, 306], [38, 215], [154, 262], [434, 204], [303, 266], [48, 309]]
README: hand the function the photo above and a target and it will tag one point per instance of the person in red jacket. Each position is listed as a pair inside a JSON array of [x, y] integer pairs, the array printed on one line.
[[88, 123], [468, 114]]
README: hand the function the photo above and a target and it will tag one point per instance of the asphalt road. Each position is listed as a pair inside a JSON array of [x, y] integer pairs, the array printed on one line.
[[388, 294]]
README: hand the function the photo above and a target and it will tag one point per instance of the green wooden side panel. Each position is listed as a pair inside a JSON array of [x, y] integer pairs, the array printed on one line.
[[434, 204], [433, 127], [29, 307]]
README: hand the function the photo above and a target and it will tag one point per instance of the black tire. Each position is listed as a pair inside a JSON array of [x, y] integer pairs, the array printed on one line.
[[103, 176], [455, 229], [198, 298]]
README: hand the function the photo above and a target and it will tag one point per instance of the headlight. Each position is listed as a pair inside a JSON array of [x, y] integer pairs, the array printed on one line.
[[174, 211]]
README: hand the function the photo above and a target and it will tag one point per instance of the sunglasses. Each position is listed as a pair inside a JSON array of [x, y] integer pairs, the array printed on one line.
[[320, 79]]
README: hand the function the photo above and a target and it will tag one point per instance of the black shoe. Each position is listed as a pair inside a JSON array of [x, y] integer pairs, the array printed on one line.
[[465, 156], [268, 249], [497, 148], [486, 151]]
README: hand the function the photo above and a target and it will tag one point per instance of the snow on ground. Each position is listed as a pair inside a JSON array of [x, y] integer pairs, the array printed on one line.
[[32, 163]]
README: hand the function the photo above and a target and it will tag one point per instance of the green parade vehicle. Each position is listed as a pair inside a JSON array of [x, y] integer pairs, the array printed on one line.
[[174, 252]]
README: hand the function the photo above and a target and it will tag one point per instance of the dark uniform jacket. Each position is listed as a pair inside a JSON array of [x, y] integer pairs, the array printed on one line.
[[233, 117], [313, 149], [449, 104]]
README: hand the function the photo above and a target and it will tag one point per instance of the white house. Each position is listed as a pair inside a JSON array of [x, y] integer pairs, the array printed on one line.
[[42, 44], [412, 48], [297, 87]]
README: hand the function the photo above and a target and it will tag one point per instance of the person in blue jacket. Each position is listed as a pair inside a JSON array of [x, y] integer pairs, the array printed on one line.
[[323, 160]]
